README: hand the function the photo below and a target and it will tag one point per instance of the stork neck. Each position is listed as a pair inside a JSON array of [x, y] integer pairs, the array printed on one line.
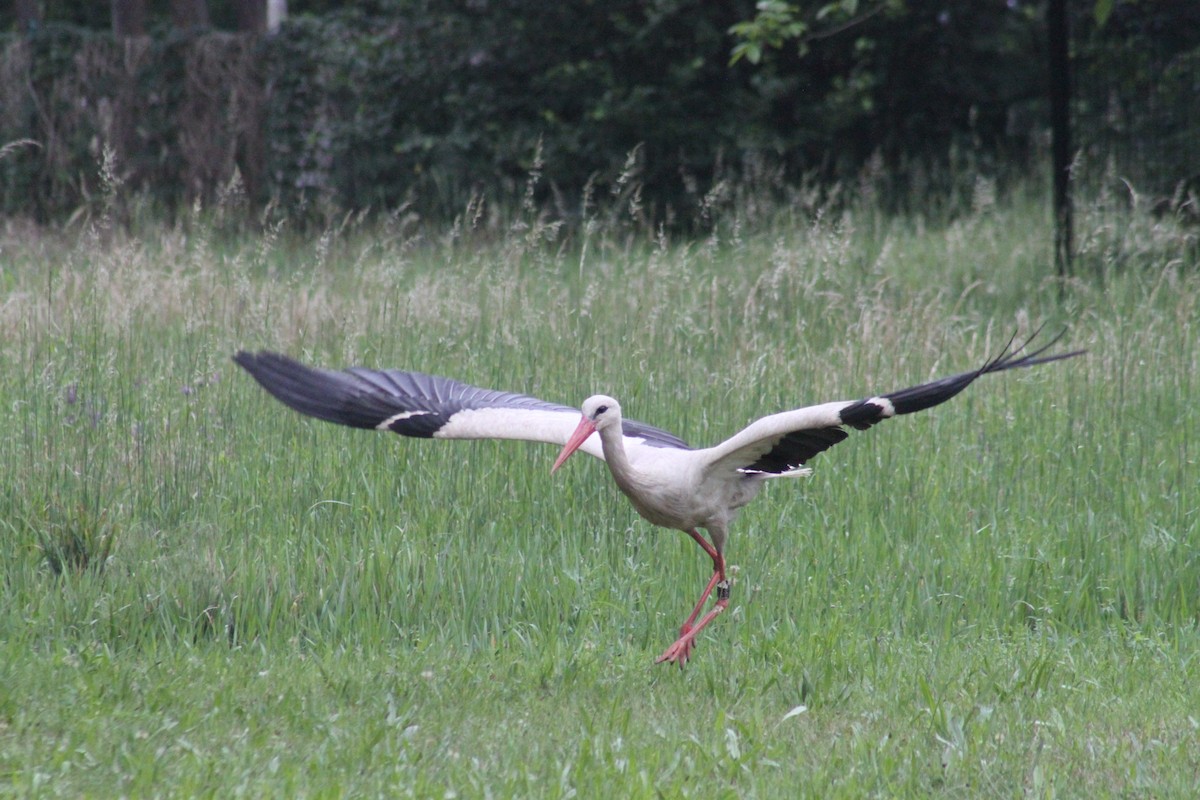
[[612, 439]]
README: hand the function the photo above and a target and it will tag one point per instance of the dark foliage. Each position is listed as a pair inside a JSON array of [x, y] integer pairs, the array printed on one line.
[[431, 101]]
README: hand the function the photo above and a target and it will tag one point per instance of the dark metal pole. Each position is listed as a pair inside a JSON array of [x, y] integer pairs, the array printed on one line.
[[1060, 129]]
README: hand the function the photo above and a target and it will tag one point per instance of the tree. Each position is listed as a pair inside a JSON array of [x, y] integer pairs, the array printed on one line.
[[129, 18], [276, 14], [776, 22], [29, 14], [1060, 123], [187, 14], [251, 15]]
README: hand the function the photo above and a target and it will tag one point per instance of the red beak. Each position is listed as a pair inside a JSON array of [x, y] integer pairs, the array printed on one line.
[[586, 428]]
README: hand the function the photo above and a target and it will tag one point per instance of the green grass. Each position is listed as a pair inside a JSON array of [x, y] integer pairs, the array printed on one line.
[[208, 595]]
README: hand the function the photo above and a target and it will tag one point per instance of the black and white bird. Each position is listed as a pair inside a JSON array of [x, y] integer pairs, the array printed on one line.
[[669, 482]]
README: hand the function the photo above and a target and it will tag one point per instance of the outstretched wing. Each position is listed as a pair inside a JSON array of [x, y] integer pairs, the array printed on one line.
[[427, 406], [781, 443]]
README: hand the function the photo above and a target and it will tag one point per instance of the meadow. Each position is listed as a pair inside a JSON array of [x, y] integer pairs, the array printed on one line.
[[207, 595]]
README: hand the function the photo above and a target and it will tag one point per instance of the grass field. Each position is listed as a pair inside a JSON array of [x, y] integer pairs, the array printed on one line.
[[208, 595]]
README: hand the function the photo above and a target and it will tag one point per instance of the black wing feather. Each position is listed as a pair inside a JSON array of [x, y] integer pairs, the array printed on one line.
[[795, 448], [365, 398], [865, 413]]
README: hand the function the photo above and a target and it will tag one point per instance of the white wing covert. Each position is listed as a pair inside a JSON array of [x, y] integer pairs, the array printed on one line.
[[427, 406]]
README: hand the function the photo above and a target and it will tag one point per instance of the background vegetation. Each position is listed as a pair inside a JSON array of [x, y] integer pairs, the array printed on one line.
[[205, 594], [424, 103]]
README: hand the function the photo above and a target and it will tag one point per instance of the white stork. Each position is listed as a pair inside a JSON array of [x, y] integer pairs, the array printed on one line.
[[669, 483]]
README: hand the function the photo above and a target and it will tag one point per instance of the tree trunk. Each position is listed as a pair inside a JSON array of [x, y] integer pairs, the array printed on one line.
[[129, 18], [251, 15], [188, 14], [29, 14], [1060, 132], [276, 14]]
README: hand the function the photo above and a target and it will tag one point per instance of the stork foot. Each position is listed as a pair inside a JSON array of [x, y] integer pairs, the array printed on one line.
[[681, 650]]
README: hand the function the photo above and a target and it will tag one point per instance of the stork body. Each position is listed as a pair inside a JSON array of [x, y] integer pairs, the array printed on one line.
[[669, 483]]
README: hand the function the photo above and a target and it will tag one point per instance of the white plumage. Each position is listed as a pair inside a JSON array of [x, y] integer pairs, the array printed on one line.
[[668, 482]]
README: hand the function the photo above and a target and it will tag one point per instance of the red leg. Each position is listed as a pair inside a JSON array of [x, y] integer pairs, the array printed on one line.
[[687, 623], [683, 645], [682, 648], [718, 561]]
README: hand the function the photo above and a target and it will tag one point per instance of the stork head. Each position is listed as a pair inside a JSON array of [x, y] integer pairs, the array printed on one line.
[[599, 412], [602, 410]]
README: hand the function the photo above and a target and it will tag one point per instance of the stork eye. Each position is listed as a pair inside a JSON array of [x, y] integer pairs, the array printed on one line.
[[601, 410]]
